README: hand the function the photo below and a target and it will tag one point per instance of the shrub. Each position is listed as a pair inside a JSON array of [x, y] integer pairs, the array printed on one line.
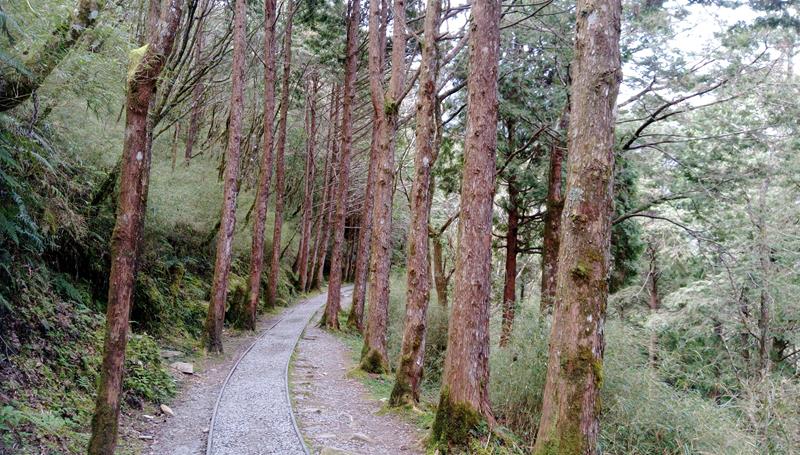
[[641, 415]]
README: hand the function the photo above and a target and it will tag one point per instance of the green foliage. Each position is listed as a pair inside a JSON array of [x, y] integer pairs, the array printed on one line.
[[144, 373], [640, 414], [626, 237]]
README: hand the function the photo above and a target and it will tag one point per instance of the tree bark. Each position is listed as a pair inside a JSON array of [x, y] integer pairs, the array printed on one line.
[[331, 317], [654, 301], [570, 408], [227, 225], [265, 173], [386, 106], [552, 223], [125, 239], [18, 84], [464, 400], [308, 197], [280, 152], [418, 275], [356, 317], [439, 274]]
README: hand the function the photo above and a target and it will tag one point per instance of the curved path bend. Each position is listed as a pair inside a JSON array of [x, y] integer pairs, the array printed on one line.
[[253, 412]]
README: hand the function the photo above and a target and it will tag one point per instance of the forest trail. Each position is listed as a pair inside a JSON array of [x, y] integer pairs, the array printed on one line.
[[254, 413]]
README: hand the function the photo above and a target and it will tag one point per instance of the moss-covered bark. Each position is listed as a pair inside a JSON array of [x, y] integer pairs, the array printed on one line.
[[571, 401], [17, 84], [455, 423], [127, 234]]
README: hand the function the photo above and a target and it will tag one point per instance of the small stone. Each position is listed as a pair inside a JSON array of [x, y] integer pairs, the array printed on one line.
[[332, 451], [167, 354], [362, 437], [148, 417], [167, 410], [205, 430], [183, 367]]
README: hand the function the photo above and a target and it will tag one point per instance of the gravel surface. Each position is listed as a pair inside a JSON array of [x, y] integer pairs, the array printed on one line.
[[186, 432], [254, 416], [336, 413]]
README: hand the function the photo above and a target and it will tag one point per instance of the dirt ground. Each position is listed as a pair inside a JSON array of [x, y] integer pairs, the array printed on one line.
[[335, 413]]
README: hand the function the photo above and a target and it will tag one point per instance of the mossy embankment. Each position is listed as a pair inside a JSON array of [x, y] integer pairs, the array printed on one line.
[[57, 212]]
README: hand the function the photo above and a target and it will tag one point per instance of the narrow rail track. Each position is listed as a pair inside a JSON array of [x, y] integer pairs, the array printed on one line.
[[253, 413]]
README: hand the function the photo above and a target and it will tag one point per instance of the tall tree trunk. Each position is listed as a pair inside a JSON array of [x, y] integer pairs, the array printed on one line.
[[319, 223], [386, 105], [17, 86], [654, 301], [329, 188], [280, 152], [464, 400], [418, 275], [227, 225], [512, 234], [265, 173], [331, 317], [175, 134], [552, 222], [570, 408], [356, 317], [199, 86], [765, 298], [308, 197], [125, 239], [510, 283], [439, 274]]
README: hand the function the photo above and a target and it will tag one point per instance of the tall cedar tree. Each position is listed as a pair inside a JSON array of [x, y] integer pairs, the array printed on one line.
[[323, 205], [512, 242], [418, 275], [308, 196], [227, 224], [386, 105], [552, 220], [199, 86], [330, 187], [330, 318], [356, 317], [570, 407], [464, 400], [17, 86], [125, 239], [265, 173], [280, 165]]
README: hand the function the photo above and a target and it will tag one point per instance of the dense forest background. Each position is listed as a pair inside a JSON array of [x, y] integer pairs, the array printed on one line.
[[703, 325]]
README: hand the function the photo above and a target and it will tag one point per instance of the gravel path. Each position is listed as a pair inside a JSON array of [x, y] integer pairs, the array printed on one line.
[[254, 416], [335, 412], [186, 433]]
